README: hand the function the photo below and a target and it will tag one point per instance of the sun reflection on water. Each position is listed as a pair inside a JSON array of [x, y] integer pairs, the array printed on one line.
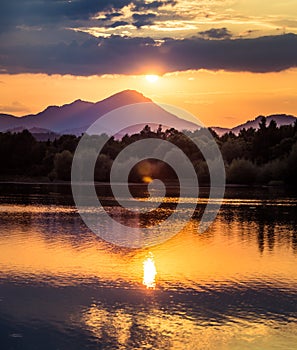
[[149, 272]]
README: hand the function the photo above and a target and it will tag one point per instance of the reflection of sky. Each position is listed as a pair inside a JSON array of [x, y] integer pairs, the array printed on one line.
[[178, 329], [235, 285], [115, 317], [254, 245]]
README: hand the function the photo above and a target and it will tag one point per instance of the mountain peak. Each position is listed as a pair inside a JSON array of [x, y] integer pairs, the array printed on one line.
[[130, 92], [128, 96]]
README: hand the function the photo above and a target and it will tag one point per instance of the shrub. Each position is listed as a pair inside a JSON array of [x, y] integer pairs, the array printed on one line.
[[241, 171], [62, 165]]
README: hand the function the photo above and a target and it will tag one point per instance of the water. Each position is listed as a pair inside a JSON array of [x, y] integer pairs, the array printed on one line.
[[62, 287]]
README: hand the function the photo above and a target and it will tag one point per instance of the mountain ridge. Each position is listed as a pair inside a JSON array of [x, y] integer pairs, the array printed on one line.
[[279, 118], [75, 117], [78, 115]]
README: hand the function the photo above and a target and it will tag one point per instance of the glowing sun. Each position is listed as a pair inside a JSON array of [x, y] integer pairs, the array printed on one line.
[[149, 272], [152, 78]]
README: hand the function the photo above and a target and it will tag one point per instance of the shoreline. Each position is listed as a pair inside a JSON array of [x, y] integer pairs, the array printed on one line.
[[44, 181]]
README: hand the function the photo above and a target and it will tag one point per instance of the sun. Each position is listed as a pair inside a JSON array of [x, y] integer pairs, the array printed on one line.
[[149, 272], [152, 78]]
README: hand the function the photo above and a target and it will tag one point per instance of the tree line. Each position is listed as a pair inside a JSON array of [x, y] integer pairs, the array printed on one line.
[[267, 155]]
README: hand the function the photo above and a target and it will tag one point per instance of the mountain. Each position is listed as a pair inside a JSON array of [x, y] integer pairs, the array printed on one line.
[[7, 120], [76, 117], [280, 119], [219, 130]]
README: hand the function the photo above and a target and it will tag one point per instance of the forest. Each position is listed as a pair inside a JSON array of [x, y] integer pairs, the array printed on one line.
[[267, 155]]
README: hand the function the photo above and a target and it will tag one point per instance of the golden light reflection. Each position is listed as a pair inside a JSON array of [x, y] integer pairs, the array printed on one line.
[[212, 96], [229, 252], [149, 272], [113, 324], [175, 331]]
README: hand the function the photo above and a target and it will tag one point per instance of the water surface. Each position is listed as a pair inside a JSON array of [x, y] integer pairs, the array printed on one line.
[[62, 287]]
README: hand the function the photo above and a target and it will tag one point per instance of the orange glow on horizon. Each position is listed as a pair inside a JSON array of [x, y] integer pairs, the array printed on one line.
[[217, 98]]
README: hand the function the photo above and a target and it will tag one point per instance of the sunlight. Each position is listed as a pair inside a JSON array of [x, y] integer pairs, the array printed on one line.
[[149, 272], [152, 78]]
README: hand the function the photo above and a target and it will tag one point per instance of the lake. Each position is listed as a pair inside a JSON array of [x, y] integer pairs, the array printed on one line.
[[233, 287]]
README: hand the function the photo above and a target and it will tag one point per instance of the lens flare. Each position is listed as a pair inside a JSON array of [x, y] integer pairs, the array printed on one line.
[[147, 179], [149, 272]]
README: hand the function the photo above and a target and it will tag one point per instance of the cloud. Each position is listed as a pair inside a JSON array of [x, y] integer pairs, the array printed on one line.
[[30, 16], [14, 107], [140, 5], [141, 20], [216, 33], [43, 12], [118, 24], [126, 55], [109, 16]]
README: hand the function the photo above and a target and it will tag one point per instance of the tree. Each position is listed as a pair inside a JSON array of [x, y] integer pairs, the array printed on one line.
[[102, 168], [232, 149], [291, 170], [263, 124], [62, 165], [241, 171]]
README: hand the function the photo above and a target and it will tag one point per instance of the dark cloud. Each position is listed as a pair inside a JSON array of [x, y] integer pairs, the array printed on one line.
[[118, 24], [216, 33], [123, 55], [140, 5], [109, 16], [41, 36], [141, 20], [43, 12], [32, 15]]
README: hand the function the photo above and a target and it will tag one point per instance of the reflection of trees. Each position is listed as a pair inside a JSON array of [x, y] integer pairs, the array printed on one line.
[[294, 239], [260, 237], [267, 218], [271, 236]]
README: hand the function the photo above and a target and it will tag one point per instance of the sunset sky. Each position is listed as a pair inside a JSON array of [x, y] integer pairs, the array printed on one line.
[[225, 61]]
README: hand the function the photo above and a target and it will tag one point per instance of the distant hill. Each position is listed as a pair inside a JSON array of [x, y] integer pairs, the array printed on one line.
[[39, 133], [7, 121], [219, 130], [280, 119], [76, 117]]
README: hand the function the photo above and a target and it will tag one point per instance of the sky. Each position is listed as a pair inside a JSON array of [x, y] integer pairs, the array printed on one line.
[[225, 61]]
